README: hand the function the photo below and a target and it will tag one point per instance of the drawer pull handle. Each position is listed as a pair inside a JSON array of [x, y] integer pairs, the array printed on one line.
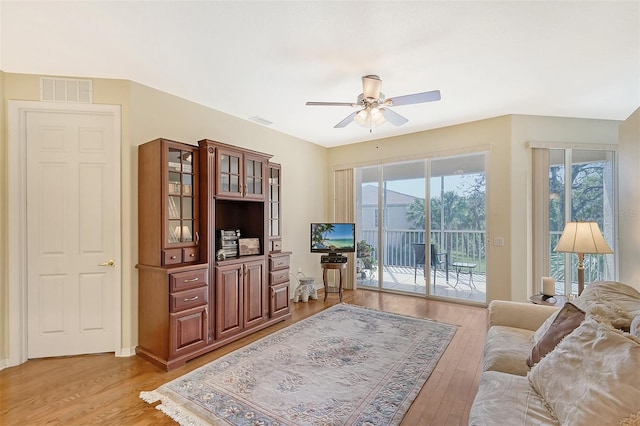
[[191, 280], [192, 255], [173, 257], [190, 299]]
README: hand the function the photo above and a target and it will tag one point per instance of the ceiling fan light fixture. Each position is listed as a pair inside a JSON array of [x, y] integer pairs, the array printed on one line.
[[370, 116], [378, 118], [361, 118]]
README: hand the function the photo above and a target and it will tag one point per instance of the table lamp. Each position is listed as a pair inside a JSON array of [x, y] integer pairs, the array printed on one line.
[[581, 238]]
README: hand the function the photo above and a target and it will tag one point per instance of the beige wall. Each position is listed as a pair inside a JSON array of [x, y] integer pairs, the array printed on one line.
[[148, 114], [307, 175], [629, 206], [4, 226], [508, 178]]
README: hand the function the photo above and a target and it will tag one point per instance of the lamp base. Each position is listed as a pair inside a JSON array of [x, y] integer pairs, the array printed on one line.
[[580, 273]]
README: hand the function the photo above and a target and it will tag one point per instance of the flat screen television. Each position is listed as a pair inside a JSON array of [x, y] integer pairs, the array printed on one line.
[[333, 238]]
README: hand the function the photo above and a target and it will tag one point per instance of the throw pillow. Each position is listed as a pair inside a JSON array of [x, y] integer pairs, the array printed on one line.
[[612, 301], [620, 294], [544, 327], [608, 313], [591, 378], [567, 319]]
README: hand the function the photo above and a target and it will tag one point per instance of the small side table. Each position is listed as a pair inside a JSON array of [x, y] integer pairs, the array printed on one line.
[[559, 300], [326, 266], [469, 270]]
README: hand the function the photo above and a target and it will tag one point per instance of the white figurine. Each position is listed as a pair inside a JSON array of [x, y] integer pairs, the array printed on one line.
[[306, 288]]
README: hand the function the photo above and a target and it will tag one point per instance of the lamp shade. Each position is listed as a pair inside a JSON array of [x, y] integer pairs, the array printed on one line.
[[583, 237]]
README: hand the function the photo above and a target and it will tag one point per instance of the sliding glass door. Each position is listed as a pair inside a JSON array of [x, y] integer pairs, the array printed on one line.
[[391, 218], [395, 253], [458, 227]]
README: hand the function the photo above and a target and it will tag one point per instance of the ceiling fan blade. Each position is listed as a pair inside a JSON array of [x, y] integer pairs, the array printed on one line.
[[330, 104], [346, 121], [416, 98], [393, 117]]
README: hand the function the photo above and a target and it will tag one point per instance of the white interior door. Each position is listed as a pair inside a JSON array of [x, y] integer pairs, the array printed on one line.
[[73, 208]]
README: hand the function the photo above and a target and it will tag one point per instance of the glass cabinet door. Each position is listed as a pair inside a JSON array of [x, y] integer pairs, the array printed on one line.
[[180, 192], [240, 175], [274, 204], [254, 178], [229, 173], [274, 201]]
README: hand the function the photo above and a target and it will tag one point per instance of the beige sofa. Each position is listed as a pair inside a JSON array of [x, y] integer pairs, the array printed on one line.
[[591, 377]]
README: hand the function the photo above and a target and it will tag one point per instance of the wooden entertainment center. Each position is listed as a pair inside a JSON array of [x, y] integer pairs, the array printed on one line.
[[190, 299]]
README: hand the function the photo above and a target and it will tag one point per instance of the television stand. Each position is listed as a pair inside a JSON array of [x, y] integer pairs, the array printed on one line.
[[340, 266]]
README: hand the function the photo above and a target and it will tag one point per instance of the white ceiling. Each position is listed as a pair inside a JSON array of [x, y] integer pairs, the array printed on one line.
[[266, 59]]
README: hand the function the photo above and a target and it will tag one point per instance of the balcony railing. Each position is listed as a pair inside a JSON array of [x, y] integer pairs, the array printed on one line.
[[462, 246]]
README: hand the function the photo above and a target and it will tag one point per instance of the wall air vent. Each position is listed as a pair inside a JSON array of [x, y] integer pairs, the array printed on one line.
[[66, 90]]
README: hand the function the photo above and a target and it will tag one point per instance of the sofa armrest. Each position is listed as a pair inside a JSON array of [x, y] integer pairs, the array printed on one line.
[[527, 316]]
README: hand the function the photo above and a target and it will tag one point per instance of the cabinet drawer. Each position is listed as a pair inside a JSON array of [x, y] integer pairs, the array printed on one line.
[[188, 299], [278, 262], [190, 254], [186, 280], [172, 256], [277, 277], [276, 245]]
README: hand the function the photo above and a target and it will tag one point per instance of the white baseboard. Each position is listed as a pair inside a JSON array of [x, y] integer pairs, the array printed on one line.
[[126, 352]]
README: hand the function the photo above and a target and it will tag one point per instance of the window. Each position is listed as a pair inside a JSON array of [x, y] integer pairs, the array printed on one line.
[[572, 185]]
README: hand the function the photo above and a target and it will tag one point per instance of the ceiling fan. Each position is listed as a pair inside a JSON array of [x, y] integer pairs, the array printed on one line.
[[374, 108]]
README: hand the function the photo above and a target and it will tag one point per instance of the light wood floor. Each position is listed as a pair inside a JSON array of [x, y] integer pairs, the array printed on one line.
[[103, 389]]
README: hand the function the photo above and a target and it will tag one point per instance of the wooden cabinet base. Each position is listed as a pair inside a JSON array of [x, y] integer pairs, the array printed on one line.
[[180, 361]]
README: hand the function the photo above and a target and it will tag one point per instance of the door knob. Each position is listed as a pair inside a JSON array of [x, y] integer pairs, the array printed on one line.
[[111, 262]]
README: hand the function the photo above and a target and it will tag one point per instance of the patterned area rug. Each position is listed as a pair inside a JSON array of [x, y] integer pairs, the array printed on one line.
[[346, 365]]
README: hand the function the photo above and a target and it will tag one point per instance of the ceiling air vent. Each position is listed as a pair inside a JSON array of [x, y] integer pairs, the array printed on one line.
[[261, 120], [66, 90]]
